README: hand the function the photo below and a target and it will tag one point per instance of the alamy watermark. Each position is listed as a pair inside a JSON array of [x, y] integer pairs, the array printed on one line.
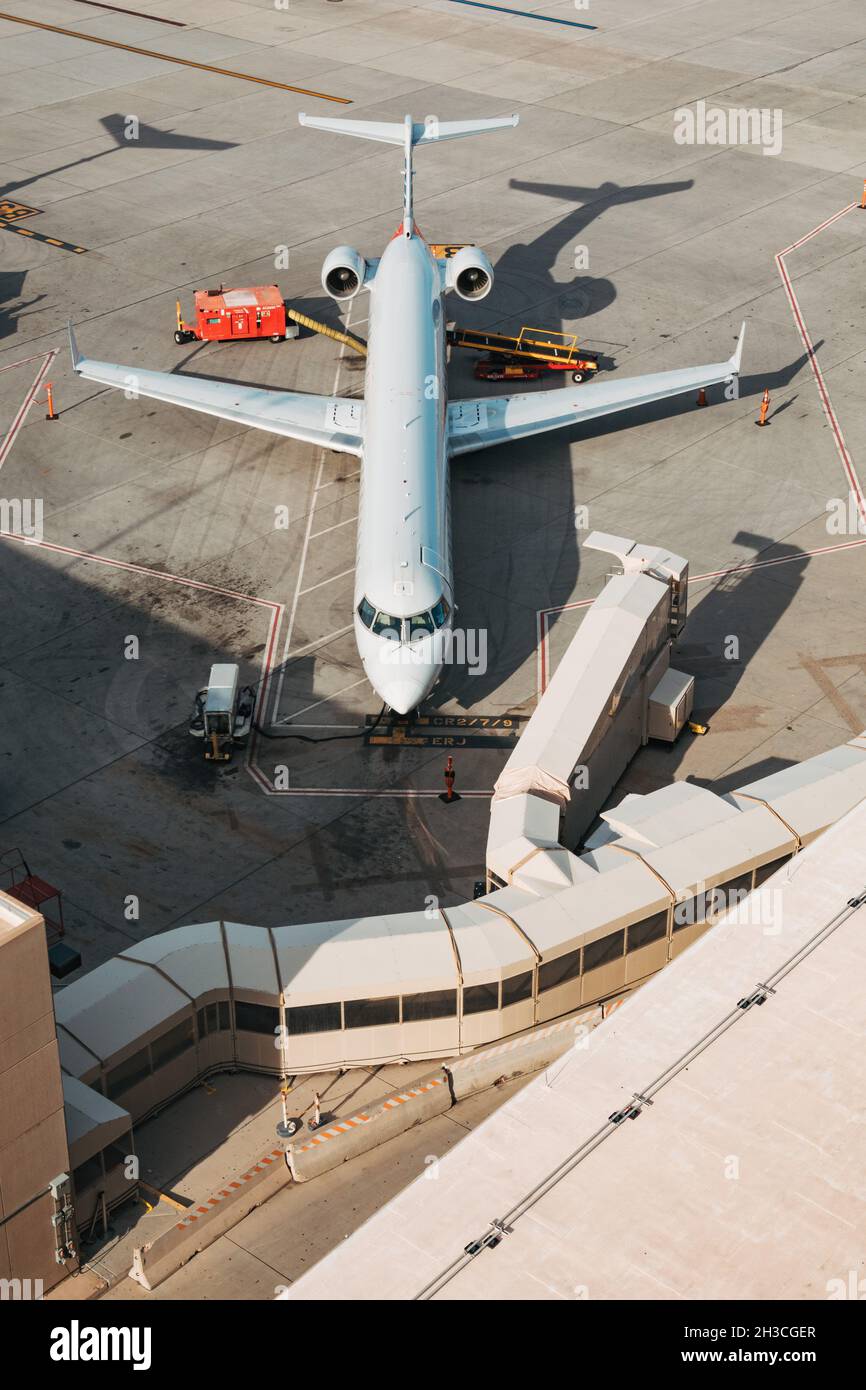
[[717, 125], [22, 516], [447, 647]]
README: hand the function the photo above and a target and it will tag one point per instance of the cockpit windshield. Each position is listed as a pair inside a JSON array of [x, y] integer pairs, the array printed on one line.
[[419, 626], [386, 626], [404, 629]]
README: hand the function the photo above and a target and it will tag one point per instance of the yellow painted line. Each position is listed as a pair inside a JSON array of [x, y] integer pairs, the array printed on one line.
[[41, 236], [166, 58]]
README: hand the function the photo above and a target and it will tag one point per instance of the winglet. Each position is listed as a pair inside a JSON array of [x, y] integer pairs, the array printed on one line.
[[73, 347], [734, 362]]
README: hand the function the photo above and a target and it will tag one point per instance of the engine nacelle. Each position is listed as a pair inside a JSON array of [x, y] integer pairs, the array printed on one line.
[[470, 273], [344, 272]]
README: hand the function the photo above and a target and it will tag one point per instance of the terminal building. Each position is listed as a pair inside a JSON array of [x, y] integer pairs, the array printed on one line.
[[568, 921], [706, 1141]]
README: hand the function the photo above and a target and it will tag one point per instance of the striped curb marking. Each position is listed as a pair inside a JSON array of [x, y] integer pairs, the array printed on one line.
[[343, 1126], [232, 1189]]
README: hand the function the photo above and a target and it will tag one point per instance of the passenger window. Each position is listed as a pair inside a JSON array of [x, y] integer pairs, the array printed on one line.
[[651, 929], [557, 972], [419, 626], [603, 950], [516, 988], [366, 612], [767, 870], [370, 1013], [440, 611], [477, 999], [386, 626]]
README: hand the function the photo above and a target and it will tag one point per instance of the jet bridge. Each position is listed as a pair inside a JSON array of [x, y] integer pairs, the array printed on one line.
[[604, 702]]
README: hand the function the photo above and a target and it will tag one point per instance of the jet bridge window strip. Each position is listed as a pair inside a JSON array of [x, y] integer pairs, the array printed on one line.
[[763, 990]]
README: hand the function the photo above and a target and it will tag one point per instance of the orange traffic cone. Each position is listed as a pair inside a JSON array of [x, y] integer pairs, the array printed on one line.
[[449, 794], [863, 199], [52, 413], [765, 406], [702, 397]]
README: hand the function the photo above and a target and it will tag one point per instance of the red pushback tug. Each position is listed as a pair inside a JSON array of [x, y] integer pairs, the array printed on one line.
[[257, 312]]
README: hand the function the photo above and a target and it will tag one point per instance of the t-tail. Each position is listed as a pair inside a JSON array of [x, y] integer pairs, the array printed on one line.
[[408, 133]]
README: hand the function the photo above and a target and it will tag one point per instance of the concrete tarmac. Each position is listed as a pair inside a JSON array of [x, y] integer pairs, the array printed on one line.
[[161, 547]]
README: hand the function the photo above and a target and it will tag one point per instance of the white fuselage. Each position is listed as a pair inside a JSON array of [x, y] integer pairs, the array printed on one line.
[[404, 543]]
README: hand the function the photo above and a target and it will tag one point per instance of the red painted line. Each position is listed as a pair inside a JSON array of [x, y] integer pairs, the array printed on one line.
[[544, 614], [828, 222], [24, 408], [22, 362], [162, 575], [824, 394]]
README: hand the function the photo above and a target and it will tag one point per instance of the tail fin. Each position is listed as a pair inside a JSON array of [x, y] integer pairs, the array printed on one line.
[[408, 133]]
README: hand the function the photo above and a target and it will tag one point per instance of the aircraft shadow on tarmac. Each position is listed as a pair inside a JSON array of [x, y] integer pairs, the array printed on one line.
[[12, 304], [543, 574], [146, 137], [525, 290]]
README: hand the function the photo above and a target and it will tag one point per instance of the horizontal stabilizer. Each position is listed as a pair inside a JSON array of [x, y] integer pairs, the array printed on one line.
[[425, 132]]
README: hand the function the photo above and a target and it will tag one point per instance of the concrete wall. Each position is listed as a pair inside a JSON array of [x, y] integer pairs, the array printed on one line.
[[33, 1147]]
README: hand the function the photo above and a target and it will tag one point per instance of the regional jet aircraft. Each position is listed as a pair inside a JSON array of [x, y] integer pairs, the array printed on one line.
[[404, 431]]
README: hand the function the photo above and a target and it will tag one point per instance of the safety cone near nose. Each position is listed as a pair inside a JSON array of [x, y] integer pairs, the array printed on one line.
[[52, 413], [449, 794], [765, 406]]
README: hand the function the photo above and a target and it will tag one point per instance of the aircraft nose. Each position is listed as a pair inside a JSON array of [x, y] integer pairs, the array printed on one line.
[[403, 695]]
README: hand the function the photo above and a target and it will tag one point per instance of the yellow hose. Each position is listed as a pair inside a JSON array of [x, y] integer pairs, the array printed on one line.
[[354, 343]]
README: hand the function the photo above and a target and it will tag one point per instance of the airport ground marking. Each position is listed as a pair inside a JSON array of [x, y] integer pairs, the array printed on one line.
[[524, 14], [335, 527], [42, 237], [276, 611], [823, 393], [544, 615], [169, 58], [317, 486], [25, 406], [11, 214], [10, 211], [136, 14]]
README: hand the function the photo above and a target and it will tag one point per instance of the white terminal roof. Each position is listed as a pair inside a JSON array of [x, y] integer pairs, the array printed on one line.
[[490, 946], [402, 953], [809, 794], [664, 816], [92, 1120], [744, 1180], [112, 1008]]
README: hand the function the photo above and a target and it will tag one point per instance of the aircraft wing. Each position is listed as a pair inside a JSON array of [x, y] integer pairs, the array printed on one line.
[[476, 424], [335, 422]]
